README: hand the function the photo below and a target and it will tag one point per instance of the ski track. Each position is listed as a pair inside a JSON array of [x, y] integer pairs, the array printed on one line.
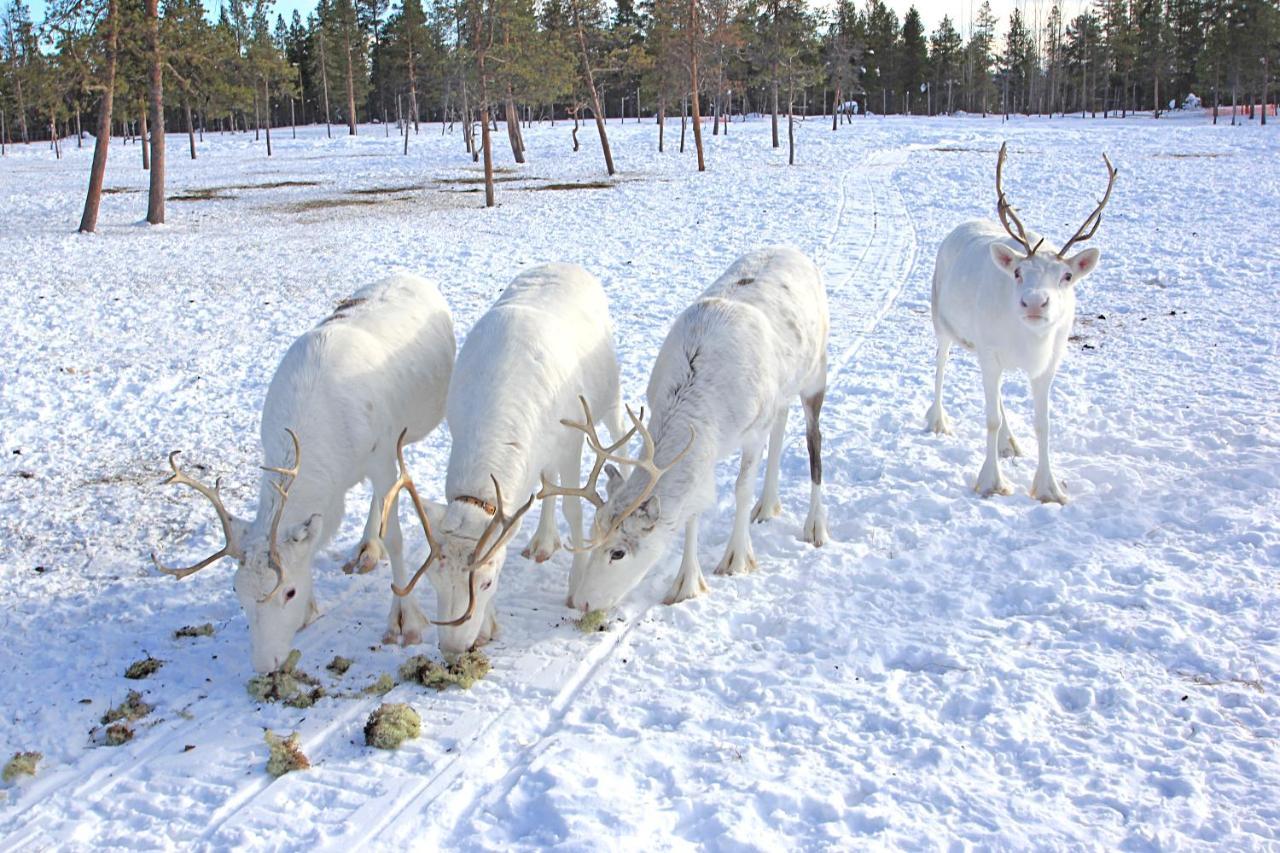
[[883, 261]]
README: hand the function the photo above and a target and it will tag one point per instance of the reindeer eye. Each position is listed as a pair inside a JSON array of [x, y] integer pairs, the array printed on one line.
[[486, 585], [1066, 276], [288, 596], [617, 554]]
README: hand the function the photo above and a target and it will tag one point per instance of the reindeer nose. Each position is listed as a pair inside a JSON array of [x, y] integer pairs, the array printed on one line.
[[1042, 298]]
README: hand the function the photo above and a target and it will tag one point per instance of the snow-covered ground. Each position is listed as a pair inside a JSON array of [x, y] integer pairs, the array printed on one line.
[[992, 672]]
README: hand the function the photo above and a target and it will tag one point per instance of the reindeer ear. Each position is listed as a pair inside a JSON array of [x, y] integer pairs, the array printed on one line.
[[1005, 258], [239, 533], [647, 513], [1083, 263], [307, 530]]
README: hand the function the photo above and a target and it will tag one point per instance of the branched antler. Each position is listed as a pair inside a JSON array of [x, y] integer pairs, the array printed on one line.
[[405, 482], [180, 478], [289, 475], [1006, 211], [1093, 220]]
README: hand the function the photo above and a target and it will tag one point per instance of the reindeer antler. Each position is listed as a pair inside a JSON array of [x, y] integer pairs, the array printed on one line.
[[1006, 211], [644, 463], [405, 482], [290, 474], [179, 477], [1093, 220], [587, 491]]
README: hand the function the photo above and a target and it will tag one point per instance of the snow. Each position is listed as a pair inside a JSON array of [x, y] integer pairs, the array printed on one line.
[[950, 669]]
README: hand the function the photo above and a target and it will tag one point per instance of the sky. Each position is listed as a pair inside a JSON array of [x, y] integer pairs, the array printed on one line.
[[930, 10]]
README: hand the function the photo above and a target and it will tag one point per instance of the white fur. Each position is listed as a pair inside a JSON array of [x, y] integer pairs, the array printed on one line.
[[1014, 312], [347, 388], [731, 364], [547, 340]]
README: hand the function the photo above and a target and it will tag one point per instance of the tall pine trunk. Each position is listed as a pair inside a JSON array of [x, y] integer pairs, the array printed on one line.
[[191, 130], [155, 196], [324, 81], [351, 88], [693, 83], [98, 171], [589, 78]]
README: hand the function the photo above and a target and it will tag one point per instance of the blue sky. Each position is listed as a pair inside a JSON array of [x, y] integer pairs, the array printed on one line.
[[931, 10]]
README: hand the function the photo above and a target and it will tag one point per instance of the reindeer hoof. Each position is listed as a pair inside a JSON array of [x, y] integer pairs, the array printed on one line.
[[763, 512], [684, 589], [737, 563], [937, 421], [541, 550], [366, 559]]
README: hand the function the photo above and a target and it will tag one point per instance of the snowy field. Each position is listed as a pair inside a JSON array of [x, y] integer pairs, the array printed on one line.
[[991, 672]]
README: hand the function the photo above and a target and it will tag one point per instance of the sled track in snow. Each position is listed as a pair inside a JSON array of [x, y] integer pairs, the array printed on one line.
[[476, 745]]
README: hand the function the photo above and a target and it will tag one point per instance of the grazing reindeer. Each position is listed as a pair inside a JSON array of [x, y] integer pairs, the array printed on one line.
[[544, 343], [722, 382], [378, 366], [995, 292]]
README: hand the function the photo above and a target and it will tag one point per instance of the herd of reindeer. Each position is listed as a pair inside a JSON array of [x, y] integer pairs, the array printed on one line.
[[382, 371]]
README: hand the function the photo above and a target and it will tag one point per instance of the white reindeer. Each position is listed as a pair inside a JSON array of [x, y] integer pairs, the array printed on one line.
[[995, 292], [722, 382], [547, 341], [378, 367]]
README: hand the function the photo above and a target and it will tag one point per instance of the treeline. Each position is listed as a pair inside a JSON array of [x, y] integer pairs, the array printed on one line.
[[109, 64]]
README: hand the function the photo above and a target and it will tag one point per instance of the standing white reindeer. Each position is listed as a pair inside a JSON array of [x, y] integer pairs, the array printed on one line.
[[544, 343], [995, 292], [724, 377], [377, 367]]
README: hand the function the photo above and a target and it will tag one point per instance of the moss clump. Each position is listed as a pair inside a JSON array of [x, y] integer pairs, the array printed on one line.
[[117, 734], [143, 668], [339, 665], [380, 687], [22, 764], [286, 754], [132, 708], [464, 672], [596, 620], [391, 725], [205, 630], [287, 684]]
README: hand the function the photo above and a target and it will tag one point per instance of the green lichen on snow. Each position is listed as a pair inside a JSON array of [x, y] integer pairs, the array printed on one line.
[[22, 764], [288, 684], [286, 754], [143, 668], [391, 725], [205, 630], [469, 668], [596, 620]]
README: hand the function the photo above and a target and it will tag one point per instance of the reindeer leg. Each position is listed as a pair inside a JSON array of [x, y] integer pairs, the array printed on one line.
[[546, 540], [769, 506], [689, 582], [739, 557], [1008, 447], [936, 418], [370, 550], [990, 480], [815, 525], [1044, 487]]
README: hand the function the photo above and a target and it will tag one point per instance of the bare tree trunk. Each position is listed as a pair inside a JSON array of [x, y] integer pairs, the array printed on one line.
[[146, 149], [835, 111], [684, 112], [191, 131], [324, 80], [576, 108], [53, 137], [155, 198], [693, 79], [266, 103], [466, 114], [3, 132], [80, 133], [257, 116], [513, 127], [413, 89], [591, 87], [351, 89], [662, 115], [773, 85], [791, 120], [486, 141]]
